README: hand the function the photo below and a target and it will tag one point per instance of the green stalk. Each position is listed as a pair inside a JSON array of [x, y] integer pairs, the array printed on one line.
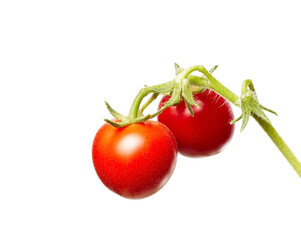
[[161, 88], [134, 111], [281, 145], [148, 102]]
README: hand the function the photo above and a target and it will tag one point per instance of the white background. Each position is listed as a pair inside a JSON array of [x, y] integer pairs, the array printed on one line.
[[59, 61]]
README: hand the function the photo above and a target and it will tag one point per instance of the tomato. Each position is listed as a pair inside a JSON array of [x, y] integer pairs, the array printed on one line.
[[205, 133], [134, 161]]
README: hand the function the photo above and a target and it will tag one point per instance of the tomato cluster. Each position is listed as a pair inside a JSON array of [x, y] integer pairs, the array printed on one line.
[[137, 160]]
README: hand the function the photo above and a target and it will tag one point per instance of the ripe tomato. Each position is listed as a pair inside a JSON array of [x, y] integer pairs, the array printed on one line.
[[134, 161], [205, 133]]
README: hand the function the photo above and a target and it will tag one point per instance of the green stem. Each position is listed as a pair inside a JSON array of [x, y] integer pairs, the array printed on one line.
[[161, 88], [223, 91], [281, 145], [134, 111], [149, 101], [215, 86]]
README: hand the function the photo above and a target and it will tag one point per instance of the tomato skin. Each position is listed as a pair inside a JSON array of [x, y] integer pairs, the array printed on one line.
[[134, 161], [205, 133]]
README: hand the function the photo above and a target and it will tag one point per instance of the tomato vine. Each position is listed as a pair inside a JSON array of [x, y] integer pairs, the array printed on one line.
[[185, 84]]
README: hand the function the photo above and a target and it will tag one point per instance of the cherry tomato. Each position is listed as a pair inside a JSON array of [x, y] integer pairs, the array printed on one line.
[[205, 133], [134, 161]]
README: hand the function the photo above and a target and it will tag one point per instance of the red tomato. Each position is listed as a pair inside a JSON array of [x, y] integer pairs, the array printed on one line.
[[205, 133], [134, 161]]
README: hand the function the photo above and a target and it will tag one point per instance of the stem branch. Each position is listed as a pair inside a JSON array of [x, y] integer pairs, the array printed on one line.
[[134, 111], [161, 88]]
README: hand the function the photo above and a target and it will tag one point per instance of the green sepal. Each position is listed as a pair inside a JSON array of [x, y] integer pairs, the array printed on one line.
[[176, 94], [128, 122], [142, 119], [269, 110], [178, 69], [116, 114], [246, 112], [250, 105], [188, 105], [213, 69], [187, 94], [117, 124], [236, 120]]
